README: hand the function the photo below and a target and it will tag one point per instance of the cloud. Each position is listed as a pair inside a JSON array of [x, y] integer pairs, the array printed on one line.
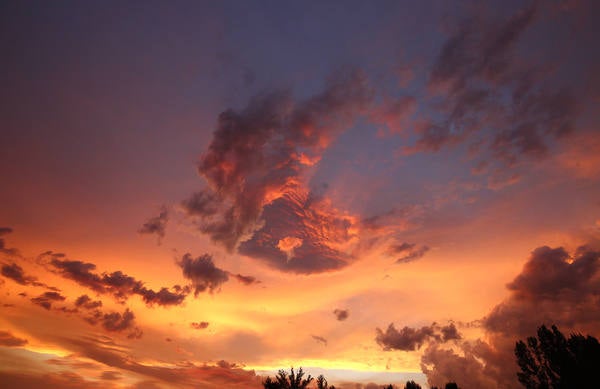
[[9, 340], [483, 93], [45, 300], [119, 285], [156, 225], [319, 339], [199, 326], [554, 287], [246, 280], [115, 322], [86, 302], [203, 273], [16, 273], [3, 249], [189, 376], [341, 314], [410, 339], [407, 252], [254, 168], [323, 236]]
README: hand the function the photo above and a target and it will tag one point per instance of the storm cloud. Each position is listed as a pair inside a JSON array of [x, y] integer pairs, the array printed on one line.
[[554, 287]]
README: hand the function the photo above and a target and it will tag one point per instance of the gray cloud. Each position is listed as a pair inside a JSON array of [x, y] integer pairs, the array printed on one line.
[[3, 249], [257, 157], [119, 285], [203, 273], [341, 314], [554, 287], [484, 95], [199, 326], [407, 252], [410, 339], [156, 225], [319, 339], [311, 225], [46, 299], [86, 302]]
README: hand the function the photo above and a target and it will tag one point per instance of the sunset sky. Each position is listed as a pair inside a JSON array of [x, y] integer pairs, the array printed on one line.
[[197, 194]]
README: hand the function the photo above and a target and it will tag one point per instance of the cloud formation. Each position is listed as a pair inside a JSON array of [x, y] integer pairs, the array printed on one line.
[[203, 273], [199, 326], [407, 252], [9, 340], [410, 339], [483, 94], [119, 285], [254, 169], [156, 225], [554, 287], [46, 299], [320, 339], [322, 236], [341, 314], [84, 301], [3, 249]]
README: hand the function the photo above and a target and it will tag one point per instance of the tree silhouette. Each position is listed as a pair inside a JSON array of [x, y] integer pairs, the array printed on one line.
[[322, 383], [412, 385], [284, 380], [551, 361]]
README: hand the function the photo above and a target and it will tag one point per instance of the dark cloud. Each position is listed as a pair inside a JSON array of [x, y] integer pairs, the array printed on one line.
[[199, 326], [407, 252], [9, 340], [319, 339], [484, 94], [203, 273], [401, 248], [301, 234], [410, 339], [445, 365], [257, 156], [554, 287], [3, 249], [115, 322], [246, 280], [45, 300], [16, 273], [341, 314], [156, 225], [119, 285], [86, 302], [413, 255]]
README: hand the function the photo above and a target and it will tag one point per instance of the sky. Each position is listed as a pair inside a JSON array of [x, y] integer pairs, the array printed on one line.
[[197, 194]]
